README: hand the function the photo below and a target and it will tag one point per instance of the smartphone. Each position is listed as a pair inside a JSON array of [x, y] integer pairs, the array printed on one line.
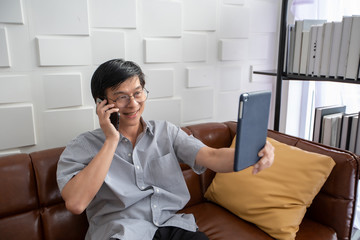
[[114, 117]]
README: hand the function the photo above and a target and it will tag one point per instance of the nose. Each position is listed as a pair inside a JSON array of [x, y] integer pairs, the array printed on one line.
[[132, 101]]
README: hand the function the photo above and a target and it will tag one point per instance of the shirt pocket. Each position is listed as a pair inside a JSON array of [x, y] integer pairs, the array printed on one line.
[[165, 171]]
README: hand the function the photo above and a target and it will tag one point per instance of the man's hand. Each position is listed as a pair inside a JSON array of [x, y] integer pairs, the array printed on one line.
[[267, 158], [104, 111]]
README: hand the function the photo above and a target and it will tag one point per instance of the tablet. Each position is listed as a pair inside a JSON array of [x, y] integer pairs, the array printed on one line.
[[252, 128]]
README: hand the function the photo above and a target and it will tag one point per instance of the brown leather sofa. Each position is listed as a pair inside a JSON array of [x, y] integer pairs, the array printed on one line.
[[31, 206]]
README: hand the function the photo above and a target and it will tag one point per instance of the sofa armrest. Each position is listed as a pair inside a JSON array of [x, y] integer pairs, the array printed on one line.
[[335, 204]]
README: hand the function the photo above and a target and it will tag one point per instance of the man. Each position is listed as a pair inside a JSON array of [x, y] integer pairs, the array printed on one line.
[[128, 179]]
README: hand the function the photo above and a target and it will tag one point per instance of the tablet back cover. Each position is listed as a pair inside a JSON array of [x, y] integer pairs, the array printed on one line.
[[251, 128]]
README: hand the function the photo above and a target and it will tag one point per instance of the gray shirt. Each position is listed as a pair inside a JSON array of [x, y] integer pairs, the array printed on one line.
[[144, 187]]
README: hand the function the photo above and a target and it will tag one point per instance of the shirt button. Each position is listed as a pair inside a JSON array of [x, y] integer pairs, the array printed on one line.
[[156, 223], [126, 140], [154, 206], [137, 167], [157, 190], [129, 154], [142, 187]]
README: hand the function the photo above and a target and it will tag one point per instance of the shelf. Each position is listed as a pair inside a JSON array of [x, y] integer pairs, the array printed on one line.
[[306, 78], [266, 72]]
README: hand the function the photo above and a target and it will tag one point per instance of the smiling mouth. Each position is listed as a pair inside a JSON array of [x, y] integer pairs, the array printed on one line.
[[131, 114]]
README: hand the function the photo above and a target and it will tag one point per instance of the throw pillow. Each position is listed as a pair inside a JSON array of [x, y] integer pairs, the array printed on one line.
[[276, 198]]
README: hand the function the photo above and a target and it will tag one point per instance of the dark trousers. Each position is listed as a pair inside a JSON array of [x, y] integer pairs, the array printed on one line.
[[174, 233]]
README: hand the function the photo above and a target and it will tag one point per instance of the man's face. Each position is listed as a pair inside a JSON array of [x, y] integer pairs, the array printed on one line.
[[131, 113]]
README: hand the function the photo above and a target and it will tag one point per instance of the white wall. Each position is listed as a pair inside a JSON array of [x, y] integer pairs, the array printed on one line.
[[196, 56]]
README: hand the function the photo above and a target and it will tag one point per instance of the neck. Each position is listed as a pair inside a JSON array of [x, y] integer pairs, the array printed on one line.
[[131, 132]]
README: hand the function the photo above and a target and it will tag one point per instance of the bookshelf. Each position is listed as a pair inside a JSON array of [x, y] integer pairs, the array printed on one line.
[[281, 75]]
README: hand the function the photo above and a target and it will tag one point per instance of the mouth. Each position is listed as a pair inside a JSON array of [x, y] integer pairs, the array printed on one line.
[[131, 114]]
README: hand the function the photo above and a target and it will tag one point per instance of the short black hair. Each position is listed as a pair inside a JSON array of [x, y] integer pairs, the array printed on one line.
[[111, 74]]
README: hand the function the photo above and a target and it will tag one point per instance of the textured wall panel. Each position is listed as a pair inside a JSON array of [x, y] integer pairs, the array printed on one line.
[[4, 49], [107, 45], [160, 82], [197, 104], [167, 109], [232, 50], [60, 17], [269, 12], [230, 78], [200, 76], [163, 50], [259, 47], [236, 2], [15, 89], [195, 47], [72, 122], [200, 15], [64, 51], [228, 106], [63, 90], [234, 22], [161, 18], [11, 11], [113, 13], [17, 126]]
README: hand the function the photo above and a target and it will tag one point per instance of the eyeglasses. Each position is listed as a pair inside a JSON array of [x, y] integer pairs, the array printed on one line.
[[123, 100]]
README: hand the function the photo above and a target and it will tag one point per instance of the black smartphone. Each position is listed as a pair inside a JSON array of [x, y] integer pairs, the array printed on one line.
[[114, 117]]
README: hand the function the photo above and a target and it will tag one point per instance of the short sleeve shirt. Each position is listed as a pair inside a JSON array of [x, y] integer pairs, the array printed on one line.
[[144, 187]]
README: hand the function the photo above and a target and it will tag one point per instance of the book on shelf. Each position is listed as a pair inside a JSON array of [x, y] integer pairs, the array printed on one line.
[[353, 133], [357, 142], [318, 52], [354, 50], [331, 127], [312, 50], [304, 52], [320, 112], [289, 50], [326, 49], [291, 44], [300, 27], [344, 46], [346, 130], [335, 49]]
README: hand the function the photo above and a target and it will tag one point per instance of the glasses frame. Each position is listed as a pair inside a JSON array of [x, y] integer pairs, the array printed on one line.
[[132, 96]]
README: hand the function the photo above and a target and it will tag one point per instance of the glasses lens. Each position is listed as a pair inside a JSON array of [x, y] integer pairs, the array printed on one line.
[[139, 97]]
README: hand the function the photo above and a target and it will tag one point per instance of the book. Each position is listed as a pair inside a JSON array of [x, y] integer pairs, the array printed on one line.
[[287, 56], [346, 130], [291, 49], [357, 142], [344, 46], [302, 26], [330, 134], [318, 52], [312, 50], [326, 49], [304, 52], [354, 50], [354, 130], [320, 112], [335, 49]]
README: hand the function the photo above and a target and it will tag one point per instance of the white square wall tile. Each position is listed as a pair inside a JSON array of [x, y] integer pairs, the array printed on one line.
[[113, 13], [161, 18], [236, 2], [205, 21], [4, 49], [167, 109], [200, 76], [11, 11], [107, 45], [228, 106], [234, 22], [62, 90], [60, 17], [230, 78], [160, 82], [268, 10], [61, 126], [197, 104], [15, 89], [66, 51], [259, 47], [233, 49], [17, 126], [163, 50], [194, 46]]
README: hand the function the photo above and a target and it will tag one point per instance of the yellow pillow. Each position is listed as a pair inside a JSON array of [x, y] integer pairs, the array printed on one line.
[[275, 199]]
